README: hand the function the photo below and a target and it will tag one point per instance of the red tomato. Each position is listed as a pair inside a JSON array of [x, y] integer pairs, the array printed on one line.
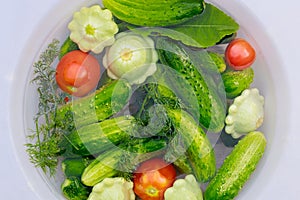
[[152, 178], [77, 73], [239, 54]]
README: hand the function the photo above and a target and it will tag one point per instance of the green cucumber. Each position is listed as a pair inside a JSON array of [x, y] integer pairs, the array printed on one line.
[[102, 167], [74, 166], [73, 189], [100, 105], [154, 12], [235, 82], [212, 108], [237, 168], [173, 90], [123, 158], [67, 46], [192, 139], [183, 165], [98, 137], [218, 60]]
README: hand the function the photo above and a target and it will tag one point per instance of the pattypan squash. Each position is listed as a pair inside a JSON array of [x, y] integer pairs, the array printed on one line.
[[113, 189], [93, 28], [246, 114], [132, 57], [186, 188]]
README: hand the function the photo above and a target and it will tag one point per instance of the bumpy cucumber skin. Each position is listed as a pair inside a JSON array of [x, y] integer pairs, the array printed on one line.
[[102, 167], [108, 164], [219, 61], [74, 166], [183, 164], [102, 104], [73, 189], [235, 82], [98, 137], [212, 110], [154, 12], [198, 147], [174, 91], [237, 168]]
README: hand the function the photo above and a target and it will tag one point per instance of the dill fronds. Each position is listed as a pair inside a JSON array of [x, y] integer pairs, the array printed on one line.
[[43, 149]]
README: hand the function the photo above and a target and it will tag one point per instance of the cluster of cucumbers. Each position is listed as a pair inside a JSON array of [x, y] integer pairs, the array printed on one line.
[[99, 135]]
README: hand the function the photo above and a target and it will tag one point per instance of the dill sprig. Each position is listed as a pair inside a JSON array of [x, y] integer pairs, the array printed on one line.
[[43, 149]]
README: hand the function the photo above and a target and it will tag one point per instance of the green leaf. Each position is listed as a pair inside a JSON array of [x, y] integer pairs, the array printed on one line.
[[209, 27], [204, 30]]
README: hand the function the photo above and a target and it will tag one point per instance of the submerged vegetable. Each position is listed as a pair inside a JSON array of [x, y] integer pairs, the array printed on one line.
[[154, 12], [132, 57], [73, 189], [152, 178], [212, 26], [98, 137], [211, 106], [100, 105], [219, 62], [235, 82], [93, 28], [192, 140], [183, 164], [74, 166], [77, 73], [66, 47], [113, 189], [240, 54], [186, 188], [246, 114], [237, 168], [122, 158]]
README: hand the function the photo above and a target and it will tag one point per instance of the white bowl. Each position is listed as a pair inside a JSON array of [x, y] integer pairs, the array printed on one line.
[[267, 68]]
